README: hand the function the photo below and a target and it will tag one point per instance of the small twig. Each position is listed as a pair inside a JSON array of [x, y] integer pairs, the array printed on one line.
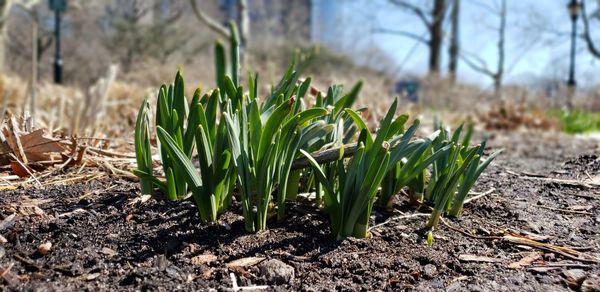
[[560, 250], [569, 182], [588, 196], [235, 287], [468, 234], [78, 210], [396, 218], [103, 152], [7, 269], [119, 172], [478, 196], [564, 210], [560, 265], [563, 251]]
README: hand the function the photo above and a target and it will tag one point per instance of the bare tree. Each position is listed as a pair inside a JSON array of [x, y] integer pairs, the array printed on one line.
[[587, 35], [136, 33], [454, 49], [19, 47], [5, 6], [480, 65], [434, 24], [242, 21]]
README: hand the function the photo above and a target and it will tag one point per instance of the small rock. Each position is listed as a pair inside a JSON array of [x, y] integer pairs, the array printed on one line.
[[2, 239], [429, 271], [437, 284], [277, 271], [161, 262], [591, 284], [456, 286], [2, 252], [107, 251], [173, 272], [76, 270], [90, 277], [535, 227], [574, 278], [44, 248]]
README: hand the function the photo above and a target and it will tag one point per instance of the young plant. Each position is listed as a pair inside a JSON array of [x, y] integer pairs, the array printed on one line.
[[211, 187], [143, 152], [469, 178], [412, 158], [349, 195], [454, 173], [263, 145], [343, 129], [441, 189], [171, 114]]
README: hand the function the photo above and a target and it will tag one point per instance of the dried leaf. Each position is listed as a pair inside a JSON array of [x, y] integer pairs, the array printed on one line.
[[27, 147], [19, 169]]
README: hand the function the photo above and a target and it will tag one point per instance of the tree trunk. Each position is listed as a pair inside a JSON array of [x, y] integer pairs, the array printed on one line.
[[501, 40], [244, 26], [2, 51], [437, 35], [454, 41], [244, 22], [4, 6]]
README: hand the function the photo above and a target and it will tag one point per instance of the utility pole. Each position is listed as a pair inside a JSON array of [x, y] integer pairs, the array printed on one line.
[[574, 8]]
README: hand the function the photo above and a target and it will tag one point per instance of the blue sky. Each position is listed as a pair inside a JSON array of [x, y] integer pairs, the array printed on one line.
[[537, 42]]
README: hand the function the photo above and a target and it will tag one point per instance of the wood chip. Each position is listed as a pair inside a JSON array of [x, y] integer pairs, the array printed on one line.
[[525, 261], [90, 277], [245, 262], [203, 259], [476, 258]]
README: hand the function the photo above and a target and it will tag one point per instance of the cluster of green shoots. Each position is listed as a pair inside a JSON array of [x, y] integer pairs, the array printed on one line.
[[229, 144]]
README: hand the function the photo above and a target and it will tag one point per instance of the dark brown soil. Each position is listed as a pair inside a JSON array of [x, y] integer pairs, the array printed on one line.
[[103, 238]]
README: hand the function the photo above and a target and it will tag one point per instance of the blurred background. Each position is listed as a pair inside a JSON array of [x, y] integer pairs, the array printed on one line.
[[509, 63]]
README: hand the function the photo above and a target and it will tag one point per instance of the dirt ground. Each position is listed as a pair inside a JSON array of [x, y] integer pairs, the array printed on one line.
[[544, 187]]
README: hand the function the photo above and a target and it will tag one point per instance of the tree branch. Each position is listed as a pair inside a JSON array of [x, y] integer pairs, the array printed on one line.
[[587, 36], [325, 156], [402, 33], [481, 67], [414, 9], [211, 23]]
